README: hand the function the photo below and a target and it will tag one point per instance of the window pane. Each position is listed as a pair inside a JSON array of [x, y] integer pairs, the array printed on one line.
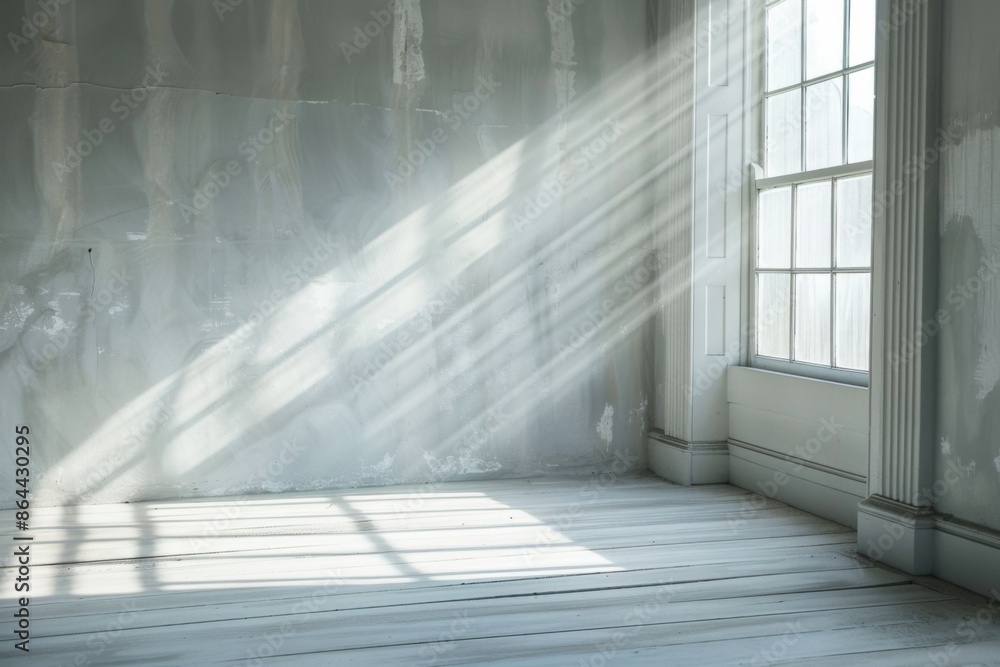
[[862, 32], [861, 116], [824, 37], [813, 226], [825, 124], [812, 319], [854, 222], [784, 44], [773, 314], [784, 133], [853, 312], [774, 229]]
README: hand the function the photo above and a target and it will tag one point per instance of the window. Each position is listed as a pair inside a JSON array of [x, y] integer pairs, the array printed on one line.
[[812, 259]]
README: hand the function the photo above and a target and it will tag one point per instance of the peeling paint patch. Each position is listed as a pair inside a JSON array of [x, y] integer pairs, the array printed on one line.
[[376, 474], [407, 54], [463, 464], [563, 50], [57, 326], [272, 486], [970, 469], [640, 412], [988, 370], [119, 307], [17, 316], [606, 426]]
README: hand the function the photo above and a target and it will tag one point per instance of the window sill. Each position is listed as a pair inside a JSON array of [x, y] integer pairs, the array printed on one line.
[[811, 372]]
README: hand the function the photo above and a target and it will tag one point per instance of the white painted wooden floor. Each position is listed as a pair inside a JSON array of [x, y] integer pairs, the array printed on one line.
[[632, 571]]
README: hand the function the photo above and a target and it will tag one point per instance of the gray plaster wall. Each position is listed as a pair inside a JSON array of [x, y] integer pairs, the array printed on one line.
[[967, 463], [245, 247]]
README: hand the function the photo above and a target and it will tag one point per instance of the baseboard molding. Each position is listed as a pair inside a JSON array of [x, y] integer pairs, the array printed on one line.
[[812, 488], [688, 463], [968, 556], [919, 541]]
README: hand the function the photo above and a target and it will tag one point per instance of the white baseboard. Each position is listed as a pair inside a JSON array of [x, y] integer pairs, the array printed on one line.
[[919, 541], [968, 556], [688, 463], [816, 489]]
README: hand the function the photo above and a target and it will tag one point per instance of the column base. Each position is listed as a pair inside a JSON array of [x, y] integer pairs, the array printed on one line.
[[688, 463], [899, 535]]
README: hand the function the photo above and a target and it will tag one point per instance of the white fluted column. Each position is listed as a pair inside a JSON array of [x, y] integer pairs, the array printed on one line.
[[895, 523]]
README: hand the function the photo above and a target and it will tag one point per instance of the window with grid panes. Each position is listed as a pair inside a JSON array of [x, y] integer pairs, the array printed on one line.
[[812, 265]]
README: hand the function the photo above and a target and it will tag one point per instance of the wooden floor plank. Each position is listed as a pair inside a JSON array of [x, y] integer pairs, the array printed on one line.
[[535, 627], [700, 642], [724, 565], [958, 651], [703, 584]]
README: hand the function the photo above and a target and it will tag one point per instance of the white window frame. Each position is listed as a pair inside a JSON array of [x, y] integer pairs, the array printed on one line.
[[757, 94]]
